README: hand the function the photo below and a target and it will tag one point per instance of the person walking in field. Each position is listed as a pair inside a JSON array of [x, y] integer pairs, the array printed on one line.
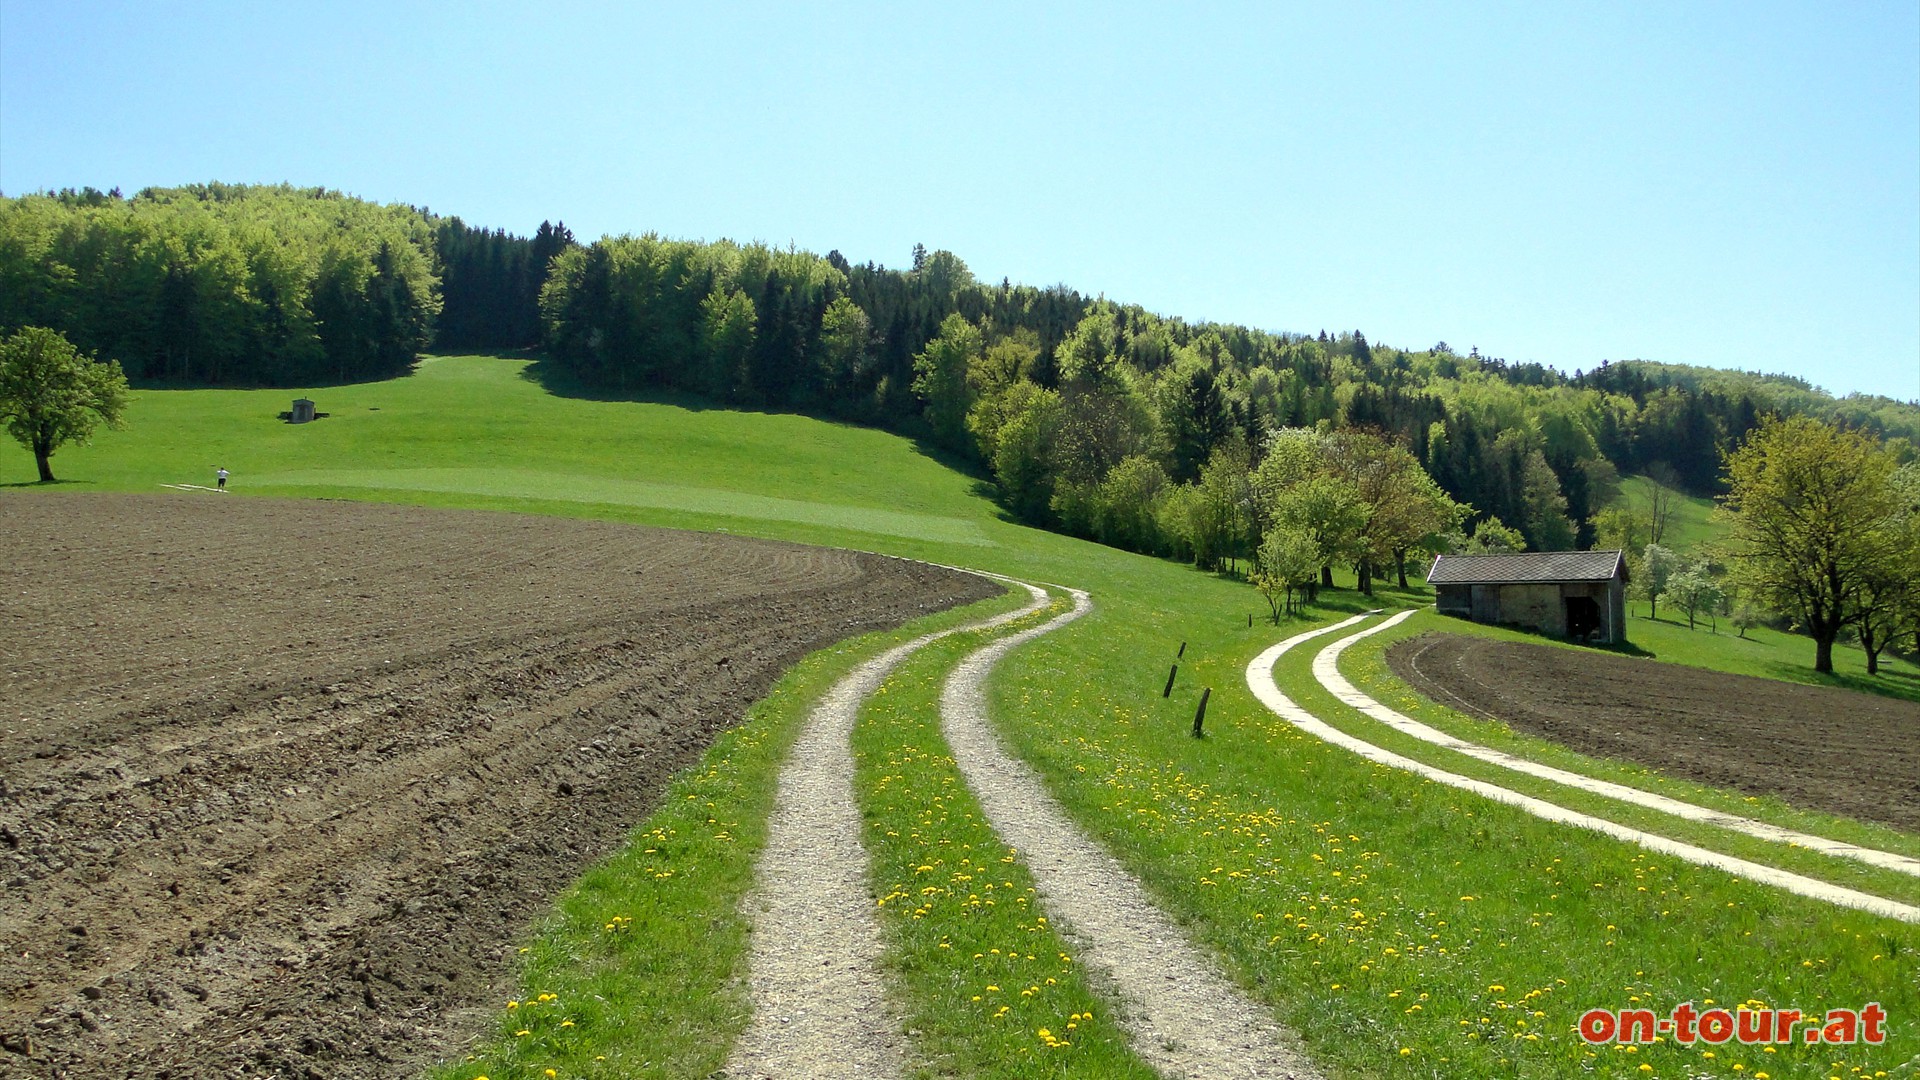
[[220, 477]]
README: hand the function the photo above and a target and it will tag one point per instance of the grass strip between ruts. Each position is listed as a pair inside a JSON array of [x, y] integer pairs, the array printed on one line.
[[1406, 929], [639, 971], [989, 988]]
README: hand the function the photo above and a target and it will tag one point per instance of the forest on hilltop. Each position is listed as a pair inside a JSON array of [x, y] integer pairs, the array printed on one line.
[[1095, 417]]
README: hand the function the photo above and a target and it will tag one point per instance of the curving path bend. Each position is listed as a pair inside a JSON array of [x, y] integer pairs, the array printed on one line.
[[1327, 670], [1260, 680], [1182, 1016]]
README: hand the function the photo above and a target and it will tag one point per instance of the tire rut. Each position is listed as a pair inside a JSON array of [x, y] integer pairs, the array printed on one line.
[[1260, 680], [1182, 1016], [819, 1003], [1326, 670]]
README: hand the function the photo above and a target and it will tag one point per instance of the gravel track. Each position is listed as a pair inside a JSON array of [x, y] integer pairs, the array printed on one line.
[[1260, 680], [1181, 1015], [819, 1001]]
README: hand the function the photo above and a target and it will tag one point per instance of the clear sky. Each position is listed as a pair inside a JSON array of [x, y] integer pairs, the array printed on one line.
[[1730, 184]]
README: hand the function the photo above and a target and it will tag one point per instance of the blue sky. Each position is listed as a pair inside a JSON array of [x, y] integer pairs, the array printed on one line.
[[1727, 184]]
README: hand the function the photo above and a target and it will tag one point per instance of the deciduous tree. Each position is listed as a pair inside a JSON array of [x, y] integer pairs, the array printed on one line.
[[1696, 591], [1808, 507], [1026, 427], [846, 347], [51, 394], [1657, 567], [940, 378], [1889, 603], [1287, 563], [1220, 527], [1658, 500]]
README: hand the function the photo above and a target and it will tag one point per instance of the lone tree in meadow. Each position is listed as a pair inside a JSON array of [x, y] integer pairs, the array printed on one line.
[[1810, 507], [1657, 569], [1288, 561], [1697, 593], [51, 394]]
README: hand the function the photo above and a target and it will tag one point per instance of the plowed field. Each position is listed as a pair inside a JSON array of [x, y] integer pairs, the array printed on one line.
[[1836, 750], [281, 784]]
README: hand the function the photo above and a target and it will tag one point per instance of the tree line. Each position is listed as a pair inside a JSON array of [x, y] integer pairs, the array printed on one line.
[[1093, 417], [218, 284]]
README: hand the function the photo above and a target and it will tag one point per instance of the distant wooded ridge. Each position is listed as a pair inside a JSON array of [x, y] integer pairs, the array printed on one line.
[[1055, 392]]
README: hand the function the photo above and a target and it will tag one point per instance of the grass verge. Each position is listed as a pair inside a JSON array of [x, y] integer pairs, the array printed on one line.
[[638, 972], [1406, 929], [991, 990]]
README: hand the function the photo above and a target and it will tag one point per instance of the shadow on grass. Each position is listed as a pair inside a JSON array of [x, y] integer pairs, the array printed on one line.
[[1333, 601], [313, 381], [1893, 684], [56, 482], [559, 382], [1623, 648]]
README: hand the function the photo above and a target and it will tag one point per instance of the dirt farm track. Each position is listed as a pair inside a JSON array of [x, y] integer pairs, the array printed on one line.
[[283, 783], [1840, 751]]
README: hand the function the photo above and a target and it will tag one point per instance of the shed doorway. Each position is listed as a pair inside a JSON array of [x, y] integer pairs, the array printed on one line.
[[1583, 617]]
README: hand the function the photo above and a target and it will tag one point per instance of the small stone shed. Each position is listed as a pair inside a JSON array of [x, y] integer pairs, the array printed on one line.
[[1572, 594]]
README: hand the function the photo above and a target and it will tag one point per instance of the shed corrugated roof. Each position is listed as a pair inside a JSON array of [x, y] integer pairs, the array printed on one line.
[[1526, 568]]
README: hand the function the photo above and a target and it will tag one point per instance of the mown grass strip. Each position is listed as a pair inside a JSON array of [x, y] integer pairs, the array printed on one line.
[[990, 989], [1294, 672], [1408, 930], [1366, 666], [638, 972]]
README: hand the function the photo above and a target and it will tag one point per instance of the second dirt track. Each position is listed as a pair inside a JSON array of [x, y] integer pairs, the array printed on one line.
[[281, 784], [1828, 749]]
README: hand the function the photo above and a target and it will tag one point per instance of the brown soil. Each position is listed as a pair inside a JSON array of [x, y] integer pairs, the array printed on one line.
[[1840, 751], [281, 784]]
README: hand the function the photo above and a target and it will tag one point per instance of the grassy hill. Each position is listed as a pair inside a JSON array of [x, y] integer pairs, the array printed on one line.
[[1692, 526], [1392, 952], [467, 429]]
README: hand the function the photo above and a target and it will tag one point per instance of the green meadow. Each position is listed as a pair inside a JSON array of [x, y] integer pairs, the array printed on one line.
[[1690, 530], [1405, 929]]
